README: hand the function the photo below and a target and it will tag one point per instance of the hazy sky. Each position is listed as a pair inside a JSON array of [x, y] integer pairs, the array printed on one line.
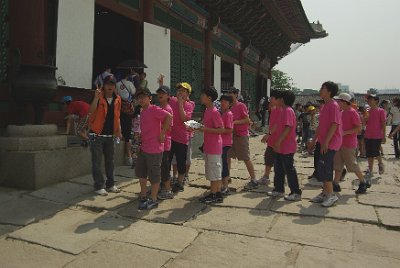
[[362, 49]]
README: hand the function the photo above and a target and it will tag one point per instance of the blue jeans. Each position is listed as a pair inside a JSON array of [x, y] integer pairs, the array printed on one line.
[[284, 165]]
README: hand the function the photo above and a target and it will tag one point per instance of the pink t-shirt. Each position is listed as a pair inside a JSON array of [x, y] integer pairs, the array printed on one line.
[[191, 133], [239, 111], [329, 114], [212, 142], [375, 120], [273, 121], [227, 118], [179, 132], [167, 141], [151, 120], [287, 119], [350, 120]]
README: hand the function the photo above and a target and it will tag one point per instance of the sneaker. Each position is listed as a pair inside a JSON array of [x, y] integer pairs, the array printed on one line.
[[381, 168], [336, 187], [219, 198], [177, 187], [164, 195], [368, 174], [344, 172], [263, 181], [319, 198], [113, 189], [293, 197], [101, 192], [362, 188], [142, 203], [251, 185], [208, 199], [330, 200], [150, 204], [275, 194], [368, 182], [225, 191]]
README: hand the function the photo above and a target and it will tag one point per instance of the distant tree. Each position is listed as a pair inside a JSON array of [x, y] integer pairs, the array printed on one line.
[[372, 91], [281, 80]]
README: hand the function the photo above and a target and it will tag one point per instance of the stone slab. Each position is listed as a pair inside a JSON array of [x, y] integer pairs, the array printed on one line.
[[380, 199], [5, 229], [33, 143], [17, 254], [110, 202], [120, 181], [376, 241], [25, 210], [318, 257], [389, 216], [175, 211], [234, 220], [117, 254], [64, 192], [31, 130], [157, 236], [354, 212], [212, 249], [250, 200], [191, 193], [313, 231], [72, 231], [236, 184]]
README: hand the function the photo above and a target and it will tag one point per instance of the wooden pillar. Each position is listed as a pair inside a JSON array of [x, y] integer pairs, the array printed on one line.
[[148, 11], [28, 30], [208, 58]]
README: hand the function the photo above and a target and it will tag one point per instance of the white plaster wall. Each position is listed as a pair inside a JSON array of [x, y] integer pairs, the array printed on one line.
[[217, 74], [75, 34], [157, 46], [237, 76], [269, 87]]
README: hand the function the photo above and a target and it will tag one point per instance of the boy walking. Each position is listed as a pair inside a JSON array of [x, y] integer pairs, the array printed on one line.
[[240, 146], [227, 119], [375, 135], [329, 136], [351, 125], [285, 148], [104, 125], [212, 147], [154, 124]]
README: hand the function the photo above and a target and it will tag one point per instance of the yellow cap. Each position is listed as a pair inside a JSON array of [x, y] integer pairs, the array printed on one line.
[[185, 85], [311, 108]]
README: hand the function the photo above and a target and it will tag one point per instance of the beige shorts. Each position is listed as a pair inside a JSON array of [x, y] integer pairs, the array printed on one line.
[[346, 156], [213, 166], [240, 148]]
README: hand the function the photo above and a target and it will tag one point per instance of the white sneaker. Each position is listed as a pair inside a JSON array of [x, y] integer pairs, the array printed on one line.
[[293, 197], [113, 189], [101, 192], [330, 200], [319, 198], [275, 194], [263, 181]]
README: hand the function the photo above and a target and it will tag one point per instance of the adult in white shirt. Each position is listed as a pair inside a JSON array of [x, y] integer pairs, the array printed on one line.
[[126, 90], [394, 113]]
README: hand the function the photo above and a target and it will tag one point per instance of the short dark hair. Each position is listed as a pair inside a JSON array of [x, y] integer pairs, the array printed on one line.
[[233, 90], [332, 87], [211, 92], [276, 93], [288, 97], [227, 98]]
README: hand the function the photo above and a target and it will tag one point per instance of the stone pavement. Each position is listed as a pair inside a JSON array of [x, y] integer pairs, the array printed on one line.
[[65, 225]]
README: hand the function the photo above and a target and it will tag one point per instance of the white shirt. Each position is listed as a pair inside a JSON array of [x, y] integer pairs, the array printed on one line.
[[395, 113], [125, 89]]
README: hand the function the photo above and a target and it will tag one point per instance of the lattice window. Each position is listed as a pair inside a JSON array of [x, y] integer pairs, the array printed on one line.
[[4, 34]]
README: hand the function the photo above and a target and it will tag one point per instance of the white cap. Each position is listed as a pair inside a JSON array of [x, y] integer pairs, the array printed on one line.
[[344, 96]]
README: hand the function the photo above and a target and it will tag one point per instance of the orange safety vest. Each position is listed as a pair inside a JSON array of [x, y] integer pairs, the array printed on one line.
[[98, 117]]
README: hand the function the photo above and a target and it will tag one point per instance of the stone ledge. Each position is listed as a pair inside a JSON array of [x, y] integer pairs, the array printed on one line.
[[33, 143], [31, 130]]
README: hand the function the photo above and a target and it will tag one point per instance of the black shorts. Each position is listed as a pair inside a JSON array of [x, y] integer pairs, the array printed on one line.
[[126, 126], [325, 166], [372, 147], [269, 157]]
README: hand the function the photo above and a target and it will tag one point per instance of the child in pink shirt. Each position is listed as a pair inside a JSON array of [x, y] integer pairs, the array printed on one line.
[[329, 135], [154, 124], [227, 118], [285, 148], [212, 147], [163, 94], [375, 134], [271, 137]]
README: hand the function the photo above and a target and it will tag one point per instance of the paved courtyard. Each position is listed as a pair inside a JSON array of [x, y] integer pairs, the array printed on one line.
[[65, 225]]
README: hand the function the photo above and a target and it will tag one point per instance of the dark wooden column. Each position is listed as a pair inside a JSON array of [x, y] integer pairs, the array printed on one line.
[[148, 11]]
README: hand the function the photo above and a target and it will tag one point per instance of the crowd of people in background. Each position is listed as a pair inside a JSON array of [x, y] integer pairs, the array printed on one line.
[[157, 138]]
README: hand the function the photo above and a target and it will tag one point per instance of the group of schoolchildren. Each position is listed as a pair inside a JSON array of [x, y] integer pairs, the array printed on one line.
[[164, 136]]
